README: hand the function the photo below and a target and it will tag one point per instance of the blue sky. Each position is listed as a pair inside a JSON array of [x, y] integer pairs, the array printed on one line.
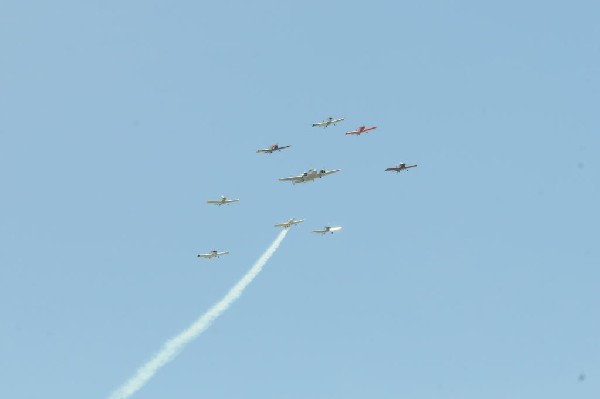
[[473, 275]]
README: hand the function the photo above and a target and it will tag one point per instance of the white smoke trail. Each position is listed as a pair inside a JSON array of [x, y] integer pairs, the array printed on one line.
[[176, 344]]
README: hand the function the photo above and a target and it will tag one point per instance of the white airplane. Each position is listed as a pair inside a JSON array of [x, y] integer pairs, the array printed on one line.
[[327, 122], [310, 175], [274, 147], [289, 223], [213, 254], [328, 229], [223, 201]]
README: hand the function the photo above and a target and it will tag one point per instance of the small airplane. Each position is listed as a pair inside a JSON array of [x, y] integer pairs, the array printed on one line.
[[361, 130], [274, 147], [402, 166], [328, 229], [327, 122], [310, 175], [289, 223], [223, 201], [212, 254]]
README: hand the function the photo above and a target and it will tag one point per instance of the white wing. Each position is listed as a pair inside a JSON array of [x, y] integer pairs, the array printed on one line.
[[337, 228], [293, 178], [265, 150], [207, 256], [328, 172], [223, 253]]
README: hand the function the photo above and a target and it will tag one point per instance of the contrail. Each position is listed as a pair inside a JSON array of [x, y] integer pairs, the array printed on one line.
[[176, 344]]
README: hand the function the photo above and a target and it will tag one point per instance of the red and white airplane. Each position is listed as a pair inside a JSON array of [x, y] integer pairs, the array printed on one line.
[[402, 166], [274, 147], [361, 130]]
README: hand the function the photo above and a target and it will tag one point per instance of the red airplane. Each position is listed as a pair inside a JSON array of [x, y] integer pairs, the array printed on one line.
[[400, 167], [361, 129]]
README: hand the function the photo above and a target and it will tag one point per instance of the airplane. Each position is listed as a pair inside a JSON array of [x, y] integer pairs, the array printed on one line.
[[212, 254], [402, 166], [327, 122], [223, 201], [274, 147], [289, 223], [328, 229], [310, 175], [361, 130]]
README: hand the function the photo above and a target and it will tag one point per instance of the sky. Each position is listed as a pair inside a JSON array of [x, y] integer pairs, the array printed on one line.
[[473, 275]]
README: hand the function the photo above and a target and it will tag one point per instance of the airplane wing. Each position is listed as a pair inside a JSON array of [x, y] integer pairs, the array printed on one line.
[[283, 147], [337, 228], [282, 225], [268, 151], [328, 172], [219, 202], [293, 178], [206, 256], [320, 231], [223, 253], [393, 169]]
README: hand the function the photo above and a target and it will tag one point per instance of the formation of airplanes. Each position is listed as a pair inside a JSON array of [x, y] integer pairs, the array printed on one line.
[[274, 147], [223, 201], [361, 130], [309, 175]]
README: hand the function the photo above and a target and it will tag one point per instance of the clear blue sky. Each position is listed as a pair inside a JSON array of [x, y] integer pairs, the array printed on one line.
[[474, 275]]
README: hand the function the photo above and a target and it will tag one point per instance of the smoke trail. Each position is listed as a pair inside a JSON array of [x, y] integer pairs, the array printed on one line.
[[176, 344]]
